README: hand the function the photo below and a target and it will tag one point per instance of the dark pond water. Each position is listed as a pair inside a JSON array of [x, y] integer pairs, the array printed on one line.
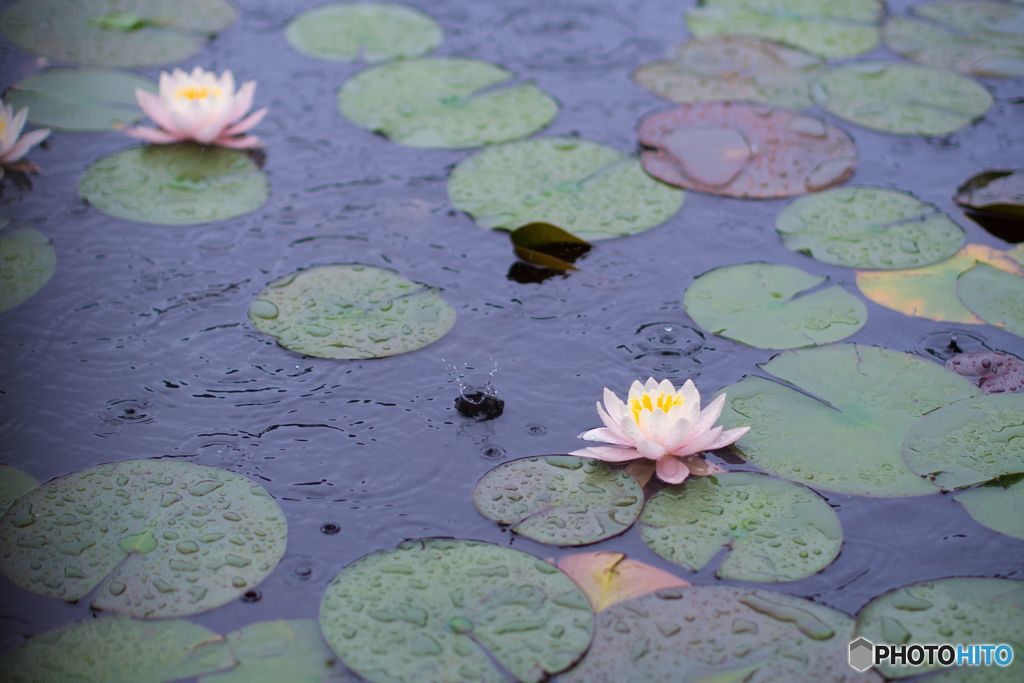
[[140, 346]]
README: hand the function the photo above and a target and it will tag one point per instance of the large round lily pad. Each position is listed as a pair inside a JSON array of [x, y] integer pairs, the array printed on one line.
[[27, 262], [773, 530], [719, 634], [373, 32], [904, 99], [117, 650], [351, 311], [843, 430], [830, 28], [978, 37], [452, 610], [276, 651], [181, 184], [560, 500], [998, 506], [154, 538], [995, 296], [445, 103], [114, 32], [968, 442], [962, 610], [733, 68], [869, 227], [79, 100], [590, 190], [14, 483], [739, 149], [931, 291], [772, 306]]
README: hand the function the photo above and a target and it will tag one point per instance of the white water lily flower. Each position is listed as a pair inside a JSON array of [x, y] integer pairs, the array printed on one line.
[[661, 424], [13, 145]]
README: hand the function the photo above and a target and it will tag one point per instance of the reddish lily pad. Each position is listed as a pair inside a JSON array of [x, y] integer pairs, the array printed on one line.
[[608, 578], [738, 149], [992, 371]]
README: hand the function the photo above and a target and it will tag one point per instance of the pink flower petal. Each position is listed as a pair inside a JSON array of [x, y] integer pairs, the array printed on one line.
[[607, 453], [246, 142], [650, 449], [22, 146], [672, 470], [612, 425], [709, 416], [616, 408], [730, 436], [247, 123], [699, 443], [153, 107], [604, 435], [14, 127], [153, 135], [699, 467], [243, 100]]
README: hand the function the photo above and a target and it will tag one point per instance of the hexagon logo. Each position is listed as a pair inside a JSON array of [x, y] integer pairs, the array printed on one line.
[[862, 654]]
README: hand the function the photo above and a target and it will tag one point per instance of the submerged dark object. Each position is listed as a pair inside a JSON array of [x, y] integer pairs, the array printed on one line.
[[479, 403], [995, 201], [544, 251]]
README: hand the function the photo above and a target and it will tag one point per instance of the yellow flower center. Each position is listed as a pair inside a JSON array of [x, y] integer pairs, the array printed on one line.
[[197, 92], [649, 402], [3, 124]]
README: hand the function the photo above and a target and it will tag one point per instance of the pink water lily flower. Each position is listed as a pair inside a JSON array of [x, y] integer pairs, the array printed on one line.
[[13, 145], [201, 107], [661, 424]]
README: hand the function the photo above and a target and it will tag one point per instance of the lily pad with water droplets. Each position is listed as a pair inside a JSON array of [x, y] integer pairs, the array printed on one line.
[[560, 499], [153, 538], [739, 149], [117, 650], [830, 28], [994, 295], [608, 578], [115, 32], [13, 485], [979, 37], [27, 262], [842, 427], [869, 227], [351, 311], [772, 530], [716, 634], [999, 506], [436, 610], [733, 68], [594, 192], [772, 306], [969, 442], [903, 99], [180, 184], [80, 100], [373, 32], [931, 291], [276, 651], [445, 103], [960, 610]]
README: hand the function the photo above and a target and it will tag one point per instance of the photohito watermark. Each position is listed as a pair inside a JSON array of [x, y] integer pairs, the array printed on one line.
[[864, 654]]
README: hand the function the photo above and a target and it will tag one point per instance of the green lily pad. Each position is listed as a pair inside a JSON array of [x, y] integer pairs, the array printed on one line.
[[593, 191], [27, 262], [962, 610], [445, 103], [998, 506], [13, 485], [772, 306], [80, 100], [968, 442], [733, 68], [159, 538], [275, 651], [774, 530], [117, 650], [351, 311], [716, 634], [869, 227], [375, 33], [903, 99], [994, 295], [943, 46], [181, 184], [115, 32], [830, 28], [452, 610], [560, 500], [843, 430]]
